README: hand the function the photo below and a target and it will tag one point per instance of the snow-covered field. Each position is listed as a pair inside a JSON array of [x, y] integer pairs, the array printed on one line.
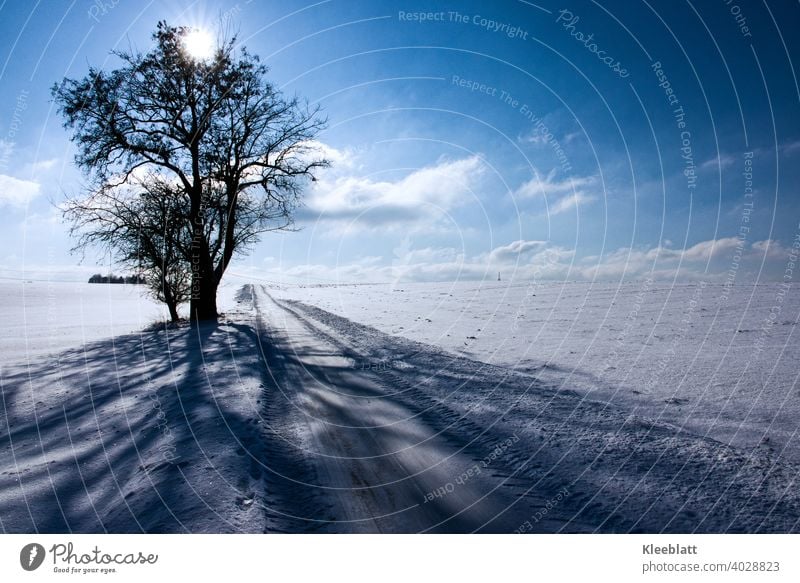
[[425, 407], [91, 413], [42, 318], [719, 361]]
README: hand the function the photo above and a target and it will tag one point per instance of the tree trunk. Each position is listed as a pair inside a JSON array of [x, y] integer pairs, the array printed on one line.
[[169, 297], [173, 312], [203, 305]]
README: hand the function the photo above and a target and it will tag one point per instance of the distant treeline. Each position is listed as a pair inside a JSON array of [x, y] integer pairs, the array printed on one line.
[[135, 279]]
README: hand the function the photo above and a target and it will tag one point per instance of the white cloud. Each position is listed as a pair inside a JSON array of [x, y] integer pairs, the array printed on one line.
[[517, 260], [524, 260], [15, 192], [543, 134], [339, 159], [722, 161], [769, 249], [562, 195], [419, 196], [710, 260], [534, 137], [531, 260], [549, 186], [571, 201], [41, 166], [790, 147], [515, 251], [429, 255], [713, 249]]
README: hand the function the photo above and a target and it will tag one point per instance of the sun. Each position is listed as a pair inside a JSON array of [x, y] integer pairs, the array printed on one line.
[[199, 44]]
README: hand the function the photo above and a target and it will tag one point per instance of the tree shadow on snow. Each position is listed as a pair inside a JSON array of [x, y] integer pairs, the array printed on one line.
[[150, 432]]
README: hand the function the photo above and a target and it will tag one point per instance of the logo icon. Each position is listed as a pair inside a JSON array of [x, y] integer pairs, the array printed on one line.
[[31, 556]]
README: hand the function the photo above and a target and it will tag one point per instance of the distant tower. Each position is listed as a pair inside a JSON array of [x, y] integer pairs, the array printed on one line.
[[498, 276]]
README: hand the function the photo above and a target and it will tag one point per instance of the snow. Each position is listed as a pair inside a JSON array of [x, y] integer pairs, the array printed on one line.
[[42, 318], [705, 357], [146, 431], [406, 408]]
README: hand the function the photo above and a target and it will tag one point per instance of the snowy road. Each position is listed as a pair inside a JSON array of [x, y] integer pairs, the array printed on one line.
[[382, 467]]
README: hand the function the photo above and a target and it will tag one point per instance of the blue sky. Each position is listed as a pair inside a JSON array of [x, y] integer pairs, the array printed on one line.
[[467, 137]]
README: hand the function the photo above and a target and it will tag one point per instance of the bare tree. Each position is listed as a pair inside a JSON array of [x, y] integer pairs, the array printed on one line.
[[141, 226], [237, 152]]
